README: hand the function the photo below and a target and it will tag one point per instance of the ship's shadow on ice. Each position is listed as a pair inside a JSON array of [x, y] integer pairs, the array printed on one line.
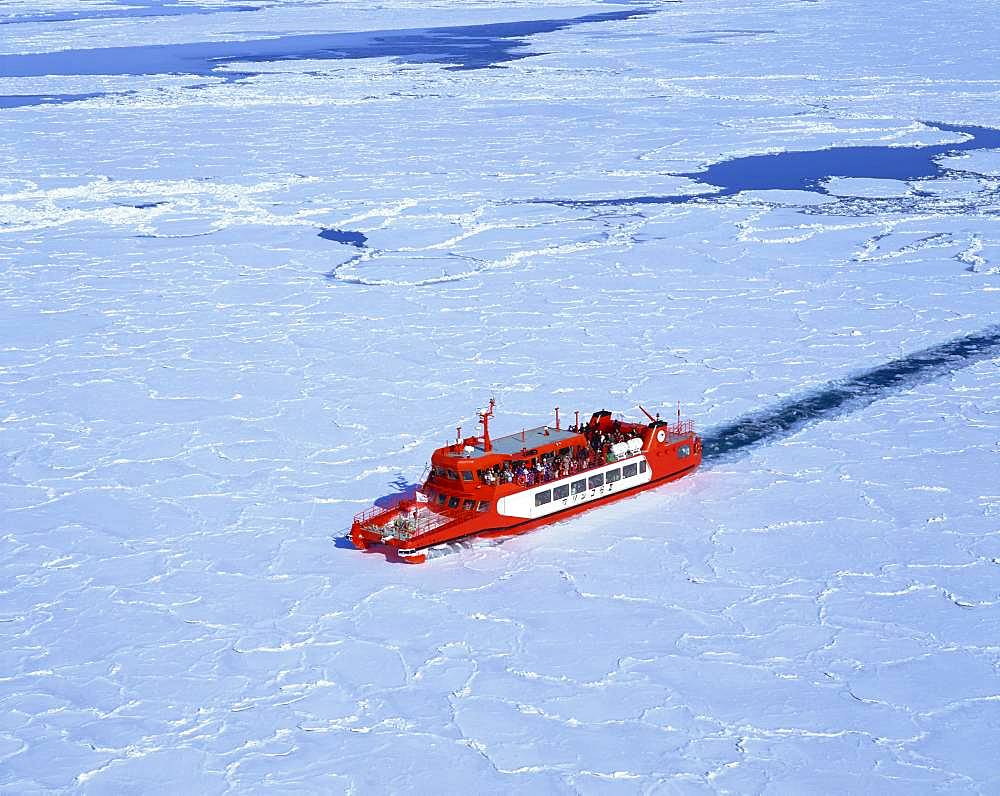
[[850, 394], [404, 491]]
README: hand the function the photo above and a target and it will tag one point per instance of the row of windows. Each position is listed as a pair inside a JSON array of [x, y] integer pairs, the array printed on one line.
[[593, 482], [452, 502], [443, 472]]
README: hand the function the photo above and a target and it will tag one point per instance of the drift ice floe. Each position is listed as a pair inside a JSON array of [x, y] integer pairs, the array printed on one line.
[[479, 486]]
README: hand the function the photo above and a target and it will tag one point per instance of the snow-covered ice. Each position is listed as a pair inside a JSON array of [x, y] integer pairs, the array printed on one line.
[[262, 261]]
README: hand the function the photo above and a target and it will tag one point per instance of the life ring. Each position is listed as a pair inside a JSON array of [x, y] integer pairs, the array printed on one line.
[[661, 435]]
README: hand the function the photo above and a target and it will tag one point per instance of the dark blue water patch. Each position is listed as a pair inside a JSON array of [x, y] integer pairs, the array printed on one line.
[[804, 171], [132, 9], [807, 170], [347, 236], [459, 47], [28, 100], [624, 201], [142, 205], [850, 394]]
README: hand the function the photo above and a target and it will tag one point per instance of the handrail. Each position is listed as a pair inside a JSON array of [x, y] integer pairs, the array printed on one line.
[[369, 514], [397, 523]]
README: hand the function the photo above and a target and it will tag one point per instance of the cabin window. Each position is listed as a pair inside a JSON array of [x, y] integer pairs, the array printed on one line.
[[469, 505], [543, 497], [642, 467], [466, 475], [442, 498], [453, 503], [596, 481], [683, 451], [560, 492], [629, 470], [613, 475], [453, 475], [484, 505], [580, 486]]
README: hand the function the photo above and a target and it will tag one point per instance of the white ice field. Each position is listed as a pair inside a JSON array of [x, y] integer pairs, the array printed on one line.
[[197, 392]]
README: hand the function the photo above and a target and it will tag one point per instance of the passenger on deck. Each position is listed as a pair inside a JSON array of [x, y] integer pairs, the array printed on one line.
[[521, 473]]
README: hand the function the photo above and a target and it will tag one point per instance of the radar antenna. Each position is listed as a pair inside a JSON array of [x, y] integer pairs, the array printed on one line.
[[484, 419]]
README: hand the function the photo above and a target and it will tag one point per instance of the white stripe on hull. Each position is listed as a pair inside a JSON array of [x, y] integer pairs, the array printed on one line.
[[524, 504]]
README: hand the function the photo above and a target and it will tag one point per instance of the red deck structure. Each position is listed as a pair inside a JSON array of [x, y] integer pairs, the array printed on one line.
[[481, 486]]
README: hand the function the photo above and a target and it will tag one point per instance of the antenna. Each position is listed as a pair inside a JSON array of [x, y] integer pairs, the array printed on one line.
[[484, 419]]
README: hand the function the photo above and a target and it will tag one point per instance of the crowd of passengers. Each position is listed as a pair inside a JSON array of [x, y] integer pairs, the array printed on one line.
[[553, 466]]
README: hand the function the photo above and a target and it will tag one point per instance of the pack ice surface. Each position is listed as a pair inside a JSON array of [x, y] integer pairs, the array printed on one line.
[[199, 391]]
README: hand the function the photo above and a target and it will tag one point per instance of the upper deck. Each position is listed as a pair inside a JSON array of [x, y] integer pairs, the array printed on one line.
[[513, 444]]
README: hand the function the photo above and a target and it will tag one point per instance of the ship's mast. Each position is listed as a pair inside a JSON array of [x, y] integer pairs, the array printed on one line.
[[484, 418]]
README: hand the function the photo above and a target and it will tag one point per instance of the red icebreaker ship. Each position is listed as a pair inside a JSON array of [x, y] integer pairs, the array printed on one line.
[[496, 487]]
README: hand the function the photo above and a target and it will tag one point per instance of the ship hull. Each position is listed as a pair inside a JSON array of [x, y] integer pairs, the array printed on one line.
[[496, 526], [505, 487]]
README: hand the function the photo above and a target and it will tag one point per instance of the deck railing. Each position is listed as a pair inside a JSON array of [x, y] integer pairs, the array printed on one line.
[[367, 516], [684, 428], [392, 522]]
